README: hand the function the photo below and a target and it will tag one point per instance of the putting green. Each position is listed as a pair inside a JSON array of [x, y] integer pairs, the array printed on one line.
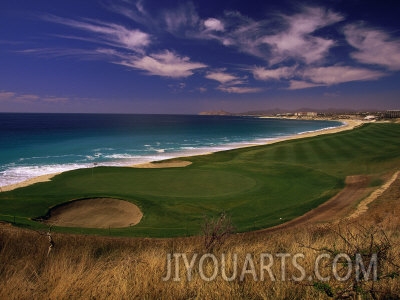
[[191, 183]]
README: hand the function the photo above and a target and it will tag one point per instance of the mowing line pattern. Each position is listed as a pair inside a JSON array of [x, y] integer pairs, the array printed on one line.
[[257, 187]]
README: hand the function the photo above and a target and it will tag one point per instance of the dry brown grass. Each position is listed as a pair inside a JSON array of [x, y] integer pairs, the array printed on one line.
[[88, 267]]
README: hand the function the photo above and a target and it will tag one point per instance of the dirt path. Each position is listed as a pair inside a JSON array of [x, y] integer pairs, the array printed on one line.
[[363, 205], [335, 208]]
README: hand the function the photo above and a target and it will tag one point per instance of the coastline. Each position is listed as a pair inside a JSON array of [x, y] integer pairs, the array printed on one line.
[[28, 182], [348, 124]]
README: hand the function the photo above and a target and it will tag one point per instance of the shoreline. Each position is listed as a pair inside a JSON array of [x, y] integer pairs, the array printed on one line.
[[348, 124]]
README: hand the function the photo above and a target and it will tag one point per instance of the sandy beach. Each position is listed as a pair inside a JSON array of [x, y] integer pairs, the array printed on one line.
[[348, 125], [42, 178]]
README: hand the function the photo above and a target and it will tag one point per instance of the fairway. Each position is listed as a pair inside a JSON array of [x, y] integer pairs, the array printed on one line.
[[257, 187]]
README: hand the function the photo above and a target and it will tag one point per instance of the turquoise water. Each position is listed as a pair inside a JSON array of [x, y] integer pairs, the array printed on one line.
[[38, 144]]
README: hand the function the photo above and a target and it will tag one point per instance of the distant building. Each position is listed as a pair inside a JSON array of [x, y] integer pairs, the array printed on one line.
[[390, 114], [306, 114]]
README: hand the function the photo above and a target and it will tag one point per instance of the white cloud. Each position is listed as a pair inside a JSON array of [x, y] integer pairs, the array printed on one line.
[[128, 47], [238, 89], [19, 98], [135, 12], [108, 33], [298, 85], [308, 77], [240, 32], [29, 98], [230, 83], [261, 73], [340, 74], [373, 46], [214, 24], [165, 64], [222, 77], [100, 53], [277, 38], [297, 40]]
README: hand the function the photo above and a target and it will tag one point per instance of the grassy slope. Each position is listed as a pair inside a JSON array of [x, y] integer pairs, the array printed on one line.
[[256, 186], [93, 267]]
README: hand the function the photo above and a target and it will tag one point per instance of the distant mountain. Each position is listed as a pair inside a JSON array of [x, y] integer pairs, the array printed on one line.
[[215, 113]]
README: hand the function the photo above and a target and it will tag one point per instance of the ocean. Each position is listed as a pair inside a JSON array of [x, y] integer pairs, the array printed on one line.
[[37, 144]]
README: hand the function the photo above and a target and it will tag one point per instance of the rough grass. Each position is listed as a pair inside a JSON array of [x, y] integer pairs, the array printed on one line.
[[88, 267], [258, 186]]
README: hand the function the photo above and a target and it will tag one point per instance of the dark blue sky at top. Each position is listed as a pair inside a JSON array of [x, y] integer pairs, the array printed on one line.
[[151, 56]]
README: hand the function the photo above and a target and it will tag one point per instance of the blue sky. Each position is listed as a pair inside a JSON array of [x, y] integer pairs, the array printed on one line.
[[147, 56]]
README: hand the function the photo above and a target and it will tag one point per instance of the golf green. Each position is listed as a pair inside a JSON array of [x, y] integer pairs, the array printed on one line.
[[257, 187]]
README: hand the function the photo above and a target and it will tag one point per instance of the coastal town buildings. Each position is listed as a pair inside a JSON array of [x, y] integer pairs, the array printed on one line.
[[391, 114]]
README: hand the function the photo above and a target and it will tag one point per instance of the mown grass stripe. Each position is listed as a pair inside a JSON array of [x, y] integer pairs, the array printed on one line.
[[283, 179], [321, 151]]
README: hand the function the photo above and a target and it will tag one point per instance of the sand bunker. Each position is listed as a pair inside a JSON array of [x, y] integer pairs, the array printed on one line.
[[95, 213]]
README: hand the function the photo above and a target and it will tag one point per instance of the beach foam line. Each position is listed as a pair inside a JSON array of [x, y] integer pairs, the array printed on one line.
[[347, 125], [15, 174], [28, 182], [45, 173]]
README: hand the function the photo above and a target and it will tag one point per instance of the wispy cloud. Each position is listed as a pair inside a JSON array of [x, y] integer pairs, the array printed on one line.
[[124, 46], [261, 73], [277, 39], [308, 77], [165, 63], [299, 85], [107, 33], [373, 46], [134, 11], [298, 40], [340, 74], [6, 96], [76, 53], [181, 18], [223, 77], [230, 83], [294, 48], [239, 89], [236, 31]]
